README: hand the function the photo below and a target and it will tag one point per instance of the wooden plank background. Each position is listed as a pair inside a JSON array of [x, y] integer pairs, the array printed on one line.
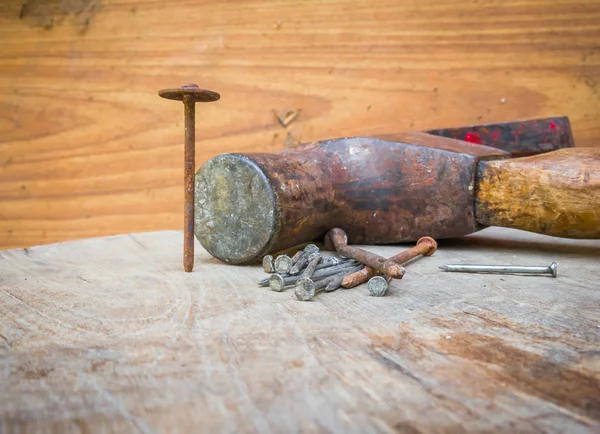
[[87, 148]]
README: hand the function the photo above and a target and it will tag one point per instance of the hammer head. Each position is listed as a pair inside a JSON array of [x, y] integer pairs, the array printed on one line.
[[380, 190]]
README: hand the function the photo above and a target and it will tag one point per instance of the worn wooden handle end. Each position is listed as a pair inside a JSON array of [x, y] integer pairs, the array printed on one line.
[[557, 193]]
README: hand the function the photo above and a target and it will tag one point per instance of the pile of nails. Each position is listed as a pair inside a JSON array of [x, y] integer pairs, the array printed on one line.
[[310, 273]]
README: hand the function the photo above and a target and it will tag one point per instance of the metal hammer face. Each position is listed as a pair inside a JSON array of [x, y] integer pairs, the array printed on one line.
[[380, 190]]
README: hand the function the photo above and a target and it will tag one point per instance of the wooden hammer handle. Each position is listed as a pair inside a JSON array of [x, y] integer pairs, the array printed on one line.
[[557, 193]]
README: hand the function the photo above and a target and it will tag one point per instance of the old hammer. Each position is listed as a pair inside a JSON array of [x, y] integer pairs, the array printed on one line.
[[400, 187]]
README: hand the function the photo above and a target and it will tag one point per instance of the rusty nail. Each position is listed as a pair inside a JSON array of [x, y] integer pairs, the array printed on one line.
[[282, 264], [337, 238], [378, 285], [426, 246], [267, 263], [190, 94], [361, 276]]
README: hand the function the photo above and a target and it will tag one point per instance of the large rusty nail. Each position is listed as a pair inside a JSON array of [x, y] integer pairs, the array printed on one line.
[[190, 94], [361, 276], [337, 238], [425, 246]]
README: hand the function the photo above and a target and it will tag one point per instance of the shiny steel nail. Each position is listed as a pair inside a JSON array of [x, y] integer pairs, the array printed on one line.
[[551, 269]]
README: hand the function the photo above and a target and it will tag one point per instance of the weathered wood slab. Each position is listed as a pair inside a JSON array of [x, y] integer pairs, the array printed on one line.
[[110, 335]]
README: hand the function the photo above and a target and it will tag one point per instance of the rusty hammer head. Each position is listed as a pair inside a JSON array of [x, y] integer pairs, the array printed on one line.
[[379, 190]]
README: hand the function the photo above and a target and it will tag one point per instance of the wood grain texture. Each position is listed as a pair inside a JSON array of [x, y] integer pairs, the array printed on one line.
[[110, 334], [87, 148], [556, 194]]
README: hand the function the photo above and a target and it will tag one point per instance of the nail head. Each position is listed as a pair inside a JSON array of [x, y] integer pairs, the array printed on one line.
[[276, 283], [430, 242], [304, 289], [197, 94], [377, 286]]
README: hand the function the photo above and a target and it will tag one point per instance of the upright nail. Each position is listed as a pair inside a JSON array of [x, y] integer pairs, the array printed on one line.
[[426, 246], [190, 94], [337, 238]]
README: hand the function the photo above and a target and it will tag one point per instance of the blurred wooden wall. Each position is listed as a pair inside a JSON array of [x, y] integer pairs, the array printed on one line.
[[87, 148]]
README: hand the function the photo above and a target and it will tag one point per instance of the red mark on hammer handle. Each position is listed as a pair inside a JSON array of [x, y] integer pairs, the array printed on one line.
[[473, 138]]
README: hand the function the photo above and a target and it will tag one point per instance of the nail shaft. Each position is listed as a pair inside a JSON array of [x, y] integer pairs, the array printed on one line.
[[297, 256], [361, 276], [300, 264], [188, 173], [314, 260], [552, 269], [334, 261], [300, 259], [336, 281]]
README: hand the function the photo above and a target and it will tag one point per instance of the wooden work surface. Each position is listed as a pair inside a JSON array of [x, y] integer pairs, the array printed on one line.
[[88, 149], [109, 334]]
